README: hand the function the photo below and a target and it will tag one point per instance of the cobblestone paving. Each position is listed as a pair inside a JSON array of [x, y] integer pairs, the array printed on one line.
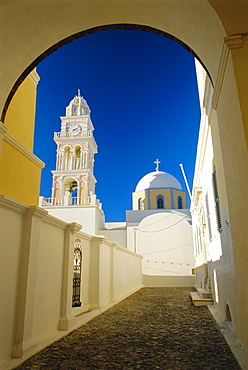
[[155, 328]]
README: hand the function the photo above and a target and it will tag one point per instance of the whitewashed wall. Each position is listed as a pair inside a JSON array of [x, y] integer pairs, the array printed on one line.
[[12, 219], [91, 217], [37, 272], [118, 235], [164, 239], [215, 264]]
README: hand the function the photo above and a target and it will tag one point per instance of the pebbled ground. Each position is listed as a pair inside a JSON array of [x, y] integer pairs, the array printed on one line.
[[155, 328]]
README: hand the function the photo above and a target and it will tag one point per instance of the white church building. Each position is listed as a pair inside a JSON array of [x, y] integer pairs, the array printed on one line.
[[159, 225]]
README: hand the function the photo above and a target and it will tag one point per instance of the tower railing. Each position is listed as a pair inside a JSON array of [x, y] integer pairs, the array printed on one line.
[[59, 135], [69, 201]]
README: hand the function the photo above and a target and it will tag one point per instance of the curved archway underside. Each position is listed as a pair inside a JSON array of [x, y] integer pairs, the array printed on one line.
[[67, 40]]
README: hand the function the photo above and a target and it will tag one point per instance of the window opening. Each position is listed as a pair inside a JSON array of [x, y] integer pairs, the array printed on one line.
[[140, 204], [77, 267], [208, 218], [160, 201], [217, 201], [73, 193], [180, 202], [228, 316]]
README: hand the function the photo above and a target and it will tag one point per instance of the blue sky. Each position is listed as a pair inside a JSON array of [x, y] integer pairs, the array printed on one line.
[[142, 92]]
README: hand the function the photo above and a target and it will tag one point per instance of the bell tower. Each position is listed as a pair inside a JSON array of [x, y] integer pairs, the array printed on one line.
[[73, 196], [73, 179]]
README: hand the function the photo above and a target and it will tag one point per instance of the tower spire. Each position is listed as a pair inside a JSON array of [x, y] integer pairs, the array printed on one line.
[[157, 164], [79, 93]]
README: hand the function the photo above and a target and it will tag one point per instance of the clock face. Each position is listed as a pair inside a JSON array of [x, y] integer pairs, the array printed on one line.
[[74, 129]]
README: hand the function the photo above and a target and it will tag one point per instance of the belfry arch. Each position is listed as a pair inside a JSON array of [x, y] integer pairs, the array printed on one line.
[[215, 31]]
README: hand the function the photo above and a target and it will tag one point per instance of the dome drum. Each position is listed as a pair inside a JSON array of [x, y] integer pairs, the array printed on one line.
[[159, 190]]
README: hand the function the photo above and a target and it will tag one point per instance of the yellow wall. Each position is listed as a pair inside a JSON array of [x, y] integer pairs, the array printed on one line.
[[136, 196], [182, 194], [20, 176], [153, 198], [20, 170], [20, 115]]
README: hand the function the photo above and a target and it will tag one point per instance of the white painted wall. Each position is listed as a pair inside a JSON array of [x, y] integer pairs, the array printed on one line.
[[165, 242], [215, 265], [36, 277], [91, 217], [12, 224], [117, 235]]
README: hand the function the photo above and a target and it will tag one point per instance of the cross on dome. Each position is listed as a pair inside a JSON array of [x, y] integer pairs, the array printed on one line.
[[157, 164]]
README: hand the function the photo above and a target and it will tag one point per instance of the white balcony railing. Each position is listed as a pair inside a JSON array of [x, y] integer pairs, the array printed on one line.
[[59, 135], [69, 201]]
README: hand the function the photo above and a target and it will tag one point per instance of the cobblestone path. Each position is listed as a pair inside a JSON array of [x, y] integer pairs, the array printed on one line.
[[155, 328]]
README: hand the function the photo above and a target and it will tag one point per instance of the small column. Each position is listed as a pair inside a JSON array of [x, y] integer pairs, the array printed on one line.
[[24, 341], [95, 273], [71, 163], [81, 159], [66, 315], [59, 161], [63, 160]]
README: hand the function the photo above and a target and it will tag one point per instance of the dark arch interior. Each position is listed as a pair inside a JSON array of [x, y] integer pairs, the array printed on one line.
[[228, 314], [122, 26]]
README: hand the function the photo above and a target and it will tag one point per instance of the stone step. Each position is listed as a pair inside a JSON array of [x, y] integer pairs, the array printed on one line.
[[199, 301], [204, 293]]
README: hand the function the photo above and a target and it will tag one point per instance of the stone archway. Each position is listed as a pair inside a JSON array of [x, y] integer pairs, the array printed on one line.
[[84, 33], [42, 29]]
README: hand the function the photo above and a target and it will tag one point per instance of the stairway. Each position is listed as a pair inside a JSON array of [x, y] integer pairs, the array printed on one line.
[[202, 297]]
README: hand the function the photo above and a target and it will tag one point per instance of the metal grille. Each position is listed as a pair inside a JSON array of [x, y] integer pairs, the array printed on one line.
[[217, 202], [77, 265]]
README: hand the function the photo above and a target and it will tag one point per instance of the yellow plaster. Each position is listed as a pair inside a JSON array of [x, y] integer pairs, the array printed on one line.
[[20, 115], [136, 196], [153, 198], [20, 176], [240, 57], [182, 194]]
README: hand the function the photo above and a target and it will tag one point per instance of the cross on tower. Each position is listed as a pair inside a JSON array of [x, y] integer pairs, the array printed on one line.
[[157, 163]]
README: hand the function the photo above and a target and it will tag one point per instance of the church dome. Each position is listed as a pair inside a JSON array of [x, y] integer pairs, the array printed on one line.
[[158, 180]]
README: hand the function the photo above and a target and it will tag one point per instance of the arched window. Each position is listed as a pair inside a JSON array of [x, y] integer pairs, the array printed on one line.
[[160, 201], [77, 269], [73, 193], [179, 202], [140, 204]]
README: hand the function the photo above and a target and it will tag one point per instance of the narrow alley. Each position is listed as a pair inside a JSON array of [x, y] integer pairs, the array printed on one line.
[[155, 328]]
